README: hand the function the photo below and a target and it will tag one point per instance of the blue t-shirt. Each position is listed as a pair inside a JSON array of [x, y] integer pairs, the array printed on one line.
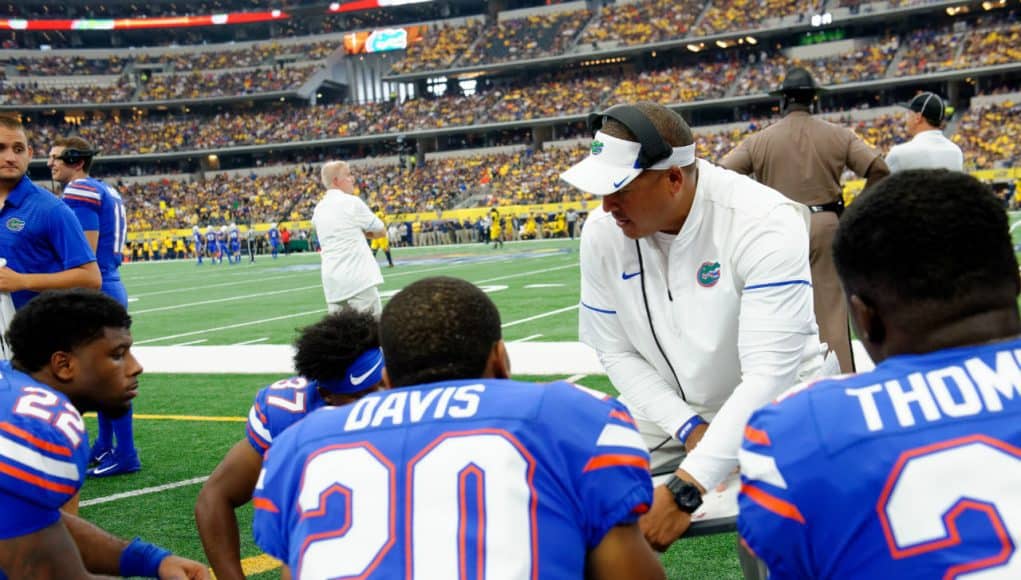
[[279, 406], [912, 470], [479, 478], [99, 208], [40, 235], [43, 453]]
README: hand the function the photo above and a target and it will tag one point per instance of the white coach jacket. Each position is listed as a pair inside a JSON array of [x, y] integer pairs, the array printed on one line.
[[731, 305]]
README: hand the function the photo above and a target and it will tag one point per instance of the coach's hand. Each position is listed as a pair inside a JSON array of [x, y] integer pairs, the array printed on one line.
[[695, 436], [178, 568], [664, 522]]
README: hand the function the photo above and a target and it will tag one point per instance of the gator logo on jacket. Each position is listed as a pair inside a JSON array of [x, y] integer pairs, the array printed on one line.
[[708, 274]]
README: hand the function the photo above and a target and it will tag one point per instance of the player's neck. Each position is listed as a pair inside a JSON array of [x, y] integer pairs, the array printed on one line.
[[980, 328]]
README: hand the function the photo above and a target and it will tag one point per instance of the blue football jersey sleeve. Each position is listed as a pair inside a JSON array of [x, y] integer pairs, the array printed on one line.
[[610, 463], [277, 407], [909, 471], [43, 453], [462, 477]]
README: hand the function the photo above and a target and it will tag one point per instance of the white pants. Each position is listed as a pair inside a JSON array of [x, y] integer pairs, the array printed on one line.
[[365, 301]]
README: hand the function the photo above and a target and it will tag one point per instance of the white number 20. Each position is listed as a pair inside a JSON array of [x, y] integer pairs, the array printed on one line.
[[930, 487], [496, 468]]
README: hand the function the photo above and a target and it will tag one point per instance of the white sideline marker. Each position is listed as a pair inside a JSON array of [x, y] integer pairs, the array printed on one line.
[[253, 341], [527, 338], [575, 378], [190, 342], [143, 491]]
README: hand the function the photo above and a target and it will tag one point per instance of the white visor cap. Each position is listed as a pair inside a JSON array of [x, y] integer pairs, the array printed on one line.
[[613, 163]]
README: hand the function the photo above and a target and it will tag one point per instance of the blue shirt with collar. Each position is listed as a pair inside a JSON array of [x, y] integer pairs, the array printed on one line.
[[39, 234]]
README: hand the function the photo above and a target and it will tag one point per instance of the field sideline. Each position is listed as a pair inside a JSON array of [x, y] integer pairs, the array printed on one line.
[[187, 422]]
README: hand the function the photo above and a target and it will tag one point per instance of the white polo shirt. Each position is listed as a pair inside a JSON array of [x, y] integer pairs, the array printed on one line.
[[731, 304], [341, 221], [927, 150]]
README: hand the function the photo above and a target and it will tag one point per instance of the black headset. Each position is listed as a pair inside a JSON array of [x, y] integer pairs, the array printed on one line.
[[654, 149], [72, 156]]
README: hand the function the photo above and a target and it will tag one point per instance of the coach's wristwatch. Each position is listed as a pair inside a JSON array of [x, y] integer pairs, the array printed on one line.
[[686, 495]]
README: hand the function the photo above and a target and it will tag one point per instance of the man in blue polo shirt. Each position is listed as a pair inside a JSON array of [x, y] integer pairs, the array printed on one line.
[[40, 238], [100, 210]]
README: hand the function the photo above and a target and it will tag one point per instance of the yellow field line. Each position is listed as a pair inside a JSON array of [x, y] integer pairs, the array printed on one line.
[[256, 565], [191, 418]]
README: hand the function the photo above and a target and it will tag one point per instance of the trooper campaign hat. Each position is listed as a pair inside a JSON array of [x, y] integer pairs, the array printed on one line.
[[798, 80]]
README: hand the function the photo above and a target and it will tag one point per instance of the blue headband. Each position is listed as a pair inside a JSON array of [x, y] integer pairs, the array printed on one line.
[[365, 372]]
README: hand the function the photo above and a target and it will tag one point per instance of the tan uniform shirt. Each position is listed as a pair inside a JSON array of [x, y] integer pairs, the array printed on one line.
[[802, 157]]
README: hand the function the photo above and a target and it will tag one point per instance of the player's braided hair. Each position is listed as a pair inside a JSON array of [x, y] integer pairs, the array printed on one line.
[[327, 348], [60, 321], [438, 329], [928, 235]]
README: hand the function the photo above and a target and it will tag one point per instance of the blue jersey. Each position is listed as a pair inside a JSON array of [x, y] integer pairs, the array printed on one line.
[[39, 234], [43, 453], [912, 470], [211, 241], [279, 406], [480, 478], [196, 240], [234, 236], [99, 208], [274, 236]]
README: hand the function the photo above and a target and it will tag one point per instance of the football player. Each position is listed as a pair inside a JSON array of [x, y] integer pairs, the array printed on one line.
[[383, 242], [912, 470], [234, 241], [457, 471], [274, 239], [338, 360], [81, 362]]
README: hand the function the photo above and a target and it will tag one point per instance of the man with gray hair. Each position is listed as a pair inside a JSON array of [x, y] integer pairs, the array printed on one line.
[[343, 222]]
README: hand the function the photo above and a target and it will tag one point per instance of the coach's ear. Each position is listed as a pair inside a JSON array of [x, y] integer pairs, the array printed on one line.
[[498, 363], [386, 380]]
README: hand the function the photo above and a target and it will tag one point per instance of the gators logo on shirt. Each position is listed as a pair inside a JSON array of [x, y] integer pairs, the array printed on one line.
[[596, 147], [708, 274], [15, 224]]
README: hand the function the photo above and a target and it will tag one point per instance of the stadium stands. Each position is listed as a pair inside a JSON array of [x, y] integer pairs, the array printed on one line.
[[643, 22]]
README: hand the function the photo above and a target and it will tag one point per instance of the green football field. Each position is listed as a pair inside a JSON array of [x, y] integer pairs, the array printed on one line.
[[186, 423]]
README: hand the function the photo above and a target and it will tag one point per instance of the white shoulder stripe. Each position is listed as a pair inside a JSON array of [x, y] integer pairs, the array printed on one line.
[[82, 192], [760, 467], [31, 458], [619, 436], [257, 426]]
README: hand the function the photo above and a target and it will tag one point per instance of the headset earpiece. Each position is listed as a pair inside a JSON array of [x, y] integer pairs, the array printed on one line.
[[72, 156]]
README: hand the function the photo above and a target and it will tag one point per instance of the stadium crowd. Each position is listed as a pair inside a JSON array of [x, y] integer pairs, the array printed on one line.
[[523, 38], [442, 44], [734, 15], [642, 22], [989, 136]]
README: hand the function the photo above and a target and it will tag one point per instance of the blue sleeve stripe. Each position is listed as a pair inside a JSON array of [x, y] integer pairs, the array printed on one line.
[[599, 310], [774, 284]]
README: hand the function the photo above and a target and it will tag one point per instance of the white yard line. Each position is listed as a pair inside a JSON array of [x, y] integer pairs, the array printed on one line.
[[230, 326], [575, 378], [538, 316], [228, 299], [253, 341], [529, 273], [143, 491], [220, 285], [527, 338], [190, 342]]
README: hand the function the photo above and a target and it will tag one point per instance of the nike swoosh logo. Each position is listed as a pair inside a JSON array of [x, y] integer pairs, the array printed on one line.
[[619, 183], [357, 380], [99, 471], [626, 276]]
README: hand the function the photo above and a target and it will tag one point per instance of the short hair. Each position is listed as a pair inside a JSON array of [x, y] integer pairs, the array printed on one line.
[[60, 321], [928, 235], [75, 142], [670, 125], [326, 349], [329, 172], [13, 122], [438, 329]]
